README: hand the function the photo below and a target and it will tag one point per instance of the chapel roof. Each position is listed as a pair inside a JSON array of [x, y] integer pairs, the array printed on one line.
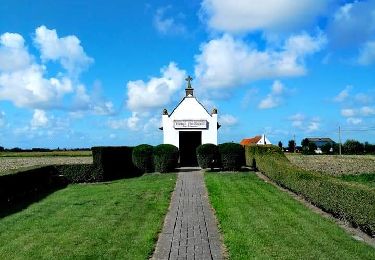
[[253, 140]]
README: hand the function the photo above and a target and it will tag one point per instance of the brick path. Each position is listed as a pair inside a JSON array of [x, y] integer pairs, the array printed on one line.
[[190, 230]]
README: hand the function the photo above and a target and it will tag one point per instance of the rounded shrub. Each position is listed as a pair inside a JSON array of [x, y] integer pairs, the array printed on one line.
[[165, 157], [208, 156], [232, 156], [143, 158]]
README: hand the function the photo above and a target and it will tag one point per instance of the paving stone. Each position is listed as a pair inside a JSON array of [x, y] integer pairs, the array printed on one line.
[[190, 230]]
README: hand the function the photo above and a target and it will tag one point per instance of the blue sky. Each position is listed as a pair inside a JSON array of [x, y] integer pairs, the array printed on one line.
[[84, 73]]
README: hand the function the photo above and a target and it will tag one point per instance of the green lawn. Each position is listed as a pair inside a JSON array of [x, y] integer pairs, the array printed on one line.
[[367, 179], [115, 220], [259, 221]]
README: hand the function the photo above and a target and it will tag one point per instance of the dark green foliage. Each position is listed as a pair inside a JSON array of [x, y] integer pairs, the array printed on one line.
[[232, 156], [113, 163], [280, 144], [26, 183], [2, 149], [353, 147], [77, 173], [350, 201], [369, 148], [143, 158], [165, 157], [305, 142], [208, 156], [312, 147], [326, 148], [291, 146]]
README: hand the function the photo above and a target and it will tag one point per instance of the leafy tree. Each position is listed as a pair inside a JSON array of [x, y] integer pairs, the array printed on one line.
[[305, 142], [280, 145], [312, 147], [2, 149], [369, 148], [326, 148], [353, 147], [291, 146]]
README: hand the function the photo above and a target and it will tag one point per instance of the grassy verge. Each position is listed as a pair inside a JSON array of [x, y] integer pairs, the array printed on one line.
[[46, 154], [366, 179], [114, 220], [259, 221]]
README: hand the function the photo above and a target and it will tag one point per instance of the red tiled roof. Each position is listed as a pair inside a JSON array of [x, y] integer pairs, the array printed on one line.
[[253, 140]]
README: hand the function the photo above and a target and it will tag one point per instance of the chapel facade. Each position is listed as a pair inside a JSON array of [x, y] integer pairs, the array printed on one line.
[[188, 126]]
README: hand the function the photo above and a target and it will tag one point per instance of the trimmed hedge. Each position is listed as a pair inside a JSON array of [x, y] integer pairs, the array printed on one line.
[[143, 158], [77, 173], [350, 201], [165, 157], [113, 162], [208, 156], [232, 156], [26, 183]]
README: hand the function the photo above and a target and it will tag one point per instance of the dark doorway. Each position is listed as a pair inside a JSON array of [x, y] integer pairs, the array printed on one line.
[[189, 141]]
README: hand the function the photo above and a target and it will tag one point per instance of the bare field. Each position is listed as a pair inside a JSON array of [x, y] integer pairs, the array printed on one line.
[[335, 164], [12, 163]]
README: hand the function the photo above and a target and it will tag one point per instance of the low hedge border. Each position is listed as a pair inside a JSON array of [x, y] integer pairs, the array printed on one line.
[[165, 158], [349, 201]]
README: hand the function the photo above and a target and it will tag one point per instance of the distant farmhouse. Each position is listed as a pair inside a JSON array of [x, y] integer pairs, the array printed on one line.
[[319, 142], [257, 140]]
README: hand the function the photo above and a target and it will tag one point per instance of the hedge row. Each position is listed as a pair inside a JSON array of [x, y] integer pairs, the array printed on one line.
[[165, 157], [227, 156], [350, 201], [77, 173]]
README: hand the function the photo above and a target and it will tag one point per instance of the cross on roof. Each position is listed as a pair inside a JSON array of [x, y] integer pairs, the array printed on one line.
[[189, 79]]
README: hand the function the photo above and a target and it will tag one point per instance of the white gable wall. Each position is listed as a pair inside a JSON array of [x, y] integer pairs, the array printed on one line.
[[264, 140], [189, 109]]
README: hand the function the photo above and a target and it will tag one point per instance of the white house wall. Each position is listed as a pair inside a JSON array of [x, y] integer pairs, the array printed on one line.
[[189, 109]]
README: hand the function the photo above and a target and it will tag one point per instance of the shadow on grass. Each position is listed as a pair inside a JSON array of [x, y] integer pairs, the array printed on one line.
[[21, 203]]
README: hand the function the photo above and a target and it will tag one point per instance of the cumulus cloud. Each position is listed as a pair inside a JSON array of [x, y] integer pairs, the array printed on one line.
[[66, 50], [157, 92], [343, 95], [25, 83], [255, 15], [348, 112], [228, 120], [354, 120], [167, 24], [228, 62], [304, 123], [39, 119], [2, 118], [367, 53], [275, 97], [352, 24], [126, 123]]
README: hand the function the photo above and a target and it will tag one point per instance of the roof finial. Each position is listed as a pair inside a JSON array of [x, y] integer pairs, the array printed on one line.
[[189, 79]]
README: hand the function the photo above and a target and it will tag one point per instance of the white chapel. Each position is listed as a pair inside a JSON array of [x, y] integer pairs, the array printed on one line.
[[189, 125]]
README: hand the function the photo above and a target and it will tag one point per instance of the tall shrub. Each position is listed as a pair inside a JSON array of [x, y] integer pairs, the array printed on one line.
[[232, 156], [165, 157], [143, 158], [208, 156]]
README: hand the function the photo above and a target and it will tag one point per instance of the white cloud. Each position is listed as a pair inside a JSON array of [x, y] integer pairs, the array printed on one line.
[[24, 82], [352, 24], [39, 119], [306, 124], [228, 120], [354, 120], [66, 50], [348, 112], [157, 92], [367, 53], [269, 15], [343, 95], [275, 98], [367, 111], [126, 123], [166, 24], [2, 118], [228, 62]]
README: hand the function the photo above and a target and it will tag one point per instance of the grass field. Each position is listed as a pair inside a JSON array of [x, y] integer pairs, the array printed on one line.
[[334, 164], [116, 220], [46, 154], [258, 221], [366, 179]]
